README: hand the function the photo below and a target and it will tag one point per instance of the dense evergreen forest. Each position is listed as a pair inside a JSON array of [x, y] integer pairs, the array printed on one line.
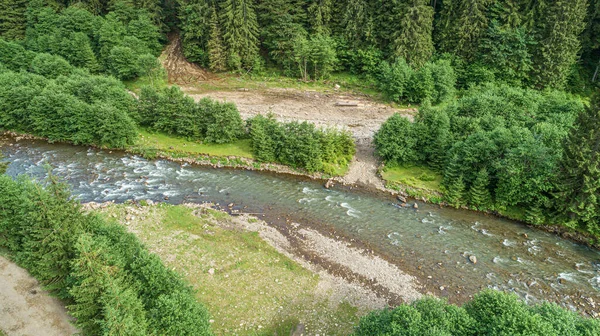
[[538, 44]]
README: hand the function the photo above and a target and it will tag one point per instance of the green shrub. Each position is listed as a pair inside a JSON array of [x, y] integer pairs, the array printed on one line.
[[299, 144], [50, 66], [396, 140], [489, 313], [115, 286]]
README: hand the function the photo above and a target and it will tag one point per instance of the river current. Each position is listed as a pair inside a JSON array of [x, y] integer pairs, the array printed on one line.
[[432, 243]]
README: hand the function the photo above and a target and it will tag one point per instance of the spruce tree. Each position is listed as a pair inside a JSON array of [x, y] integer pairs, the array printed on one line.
[[357, 23], [13, 19], [579, 183], [413, 41], [463, 24], [455, 192], [479, 193], [319, 15], [558, 43], [216, 51], [240, 33]]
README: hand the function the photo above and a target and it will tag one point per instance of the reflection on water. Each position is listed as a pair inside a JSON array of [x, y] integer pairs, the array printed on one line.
[[429, 242]]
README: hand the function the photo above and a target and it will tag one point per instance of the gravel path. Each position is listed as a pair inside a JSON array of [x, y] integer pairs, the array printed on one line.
[[26, 309]]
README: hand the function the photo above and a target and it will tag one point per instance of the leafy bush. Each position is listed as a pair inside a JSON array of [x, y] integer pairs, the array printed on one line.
[[169, 110], [115, 285], [433, 81], [50, 66], [299, 144], [497, 146], [81, 108], [489, 313]]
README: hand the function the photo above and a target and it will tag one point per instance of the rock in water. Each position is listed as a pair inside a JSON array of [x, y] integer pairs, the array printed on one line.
[[328, 184], [416, 206], [473, 259], [402, 199]]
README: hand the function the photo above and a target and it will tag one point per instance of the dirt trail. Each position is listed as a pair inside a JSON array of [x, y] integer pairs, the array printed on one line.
[[26, 309], [356, 113]]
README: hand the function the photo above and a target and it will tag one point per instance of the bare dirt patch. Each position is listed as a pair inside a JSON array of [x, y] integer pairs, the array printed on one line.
[[27, 309], [179, 70]]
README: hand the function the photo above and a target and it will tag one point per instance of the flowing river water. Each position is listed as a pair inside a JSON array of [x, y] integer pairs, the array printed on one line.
[[431, 243]]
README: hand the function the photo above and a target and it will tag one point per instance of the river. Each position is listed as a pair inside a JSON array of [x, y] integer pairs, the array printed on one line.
[[431, 243]]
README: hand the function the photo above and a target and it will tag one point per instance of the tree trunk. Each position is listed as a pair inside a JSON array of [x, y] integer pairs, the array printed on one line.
[[596, 72]]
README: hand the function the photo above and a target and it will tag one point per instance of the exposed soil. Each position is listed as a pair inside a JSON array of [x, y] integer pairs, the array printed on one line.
[[179, 70], [26, 309], [356, 113]]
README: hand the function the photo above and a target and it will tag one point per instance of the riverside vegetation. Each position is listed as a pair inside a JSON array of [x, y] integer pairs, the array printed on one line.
[[493, 125]]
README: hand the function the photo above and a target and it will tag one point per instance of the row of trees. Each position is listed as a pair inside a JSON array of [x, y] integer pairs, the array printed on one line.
[[488, 313], [499, 147], [110, 282], [534, 43], [170, 111], [300, 144], [60, 102]]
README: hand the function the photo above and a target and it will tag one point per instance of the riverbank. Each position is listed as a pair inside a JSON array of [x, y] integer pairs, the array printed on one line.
[[256, 279]]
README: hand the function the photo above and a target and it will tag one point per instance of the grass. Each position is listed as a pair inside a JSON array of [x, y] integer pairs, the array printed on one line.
[[414, 176], [254, 290], [164, 142]]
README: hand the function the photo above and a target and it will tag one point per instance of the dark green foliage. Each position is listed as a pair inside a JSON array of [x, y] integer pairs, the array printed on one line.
[[74, 107], [115, 286], [13, 19], [396, 140], [299, 144], [3, 165], [170, 111], [579, 187], [489, 313], [413, 41]]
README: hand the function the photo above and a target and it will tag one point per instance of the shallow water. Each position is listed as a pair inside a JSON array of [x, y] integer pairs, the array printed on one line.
[[431, 242]]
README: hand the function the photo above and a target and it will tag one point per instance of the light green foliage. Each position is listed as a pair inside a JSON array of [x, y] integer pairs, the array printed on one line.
[[170, 111], [299, 144], [432, 81], [396, 140], [488, 313], [50, 66], [479, 193]]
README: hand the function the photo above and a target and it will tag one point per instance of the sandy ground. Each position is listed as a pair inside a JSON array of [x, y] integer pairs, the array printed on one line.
[[26, 309]]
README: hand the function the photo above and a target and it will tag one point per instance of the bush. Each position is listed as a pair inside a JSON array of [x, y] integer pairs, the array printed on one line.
[[489, 313], [169, 110], [115, 285], [299, 144], [395, 141], [50, 66]]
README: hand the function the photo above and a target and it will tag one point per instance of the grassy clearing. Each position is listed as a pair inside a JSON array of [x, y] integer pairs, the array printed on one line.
[[253, 289], [413, 176], [164, 142]]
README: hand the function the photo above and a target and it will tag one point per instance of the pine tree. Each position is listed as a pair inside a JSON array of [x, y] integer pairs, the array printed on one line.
[[195, 18], [579, 184], [216, 52], [479, 193], [13, 19], [357, 23], [319, 15], [455, 192], [240, 34], [413, 41], [558, 43], [463, 23]]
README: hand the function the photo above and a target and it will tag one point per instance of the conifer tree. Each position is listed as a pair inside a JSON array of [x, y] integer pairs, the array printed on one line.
[[455, 192], [195, 18], [558, 43], [357, 22], [319, 15], [240, 34], [479, 193], [216, 51], [579, 182], [463, 24], [413, 41], [13, 19]]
